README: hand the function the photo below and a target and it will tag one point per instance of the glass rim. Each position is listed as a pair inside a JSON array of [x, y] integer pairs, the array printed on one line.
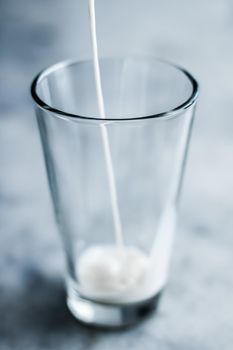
[[66, 63]]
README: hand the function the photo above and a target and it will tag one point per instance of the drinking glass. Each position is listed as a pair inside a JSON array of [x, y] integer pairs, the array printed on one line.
[[149, 106]]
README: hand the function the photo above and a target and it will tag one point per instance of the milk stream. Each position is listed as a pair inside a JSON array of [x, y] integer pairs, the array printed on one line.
[[104, 131]]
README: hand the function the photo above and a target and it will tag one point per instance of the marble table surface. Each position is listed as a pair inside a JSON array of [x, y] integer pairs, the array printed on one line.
[[196, 311]]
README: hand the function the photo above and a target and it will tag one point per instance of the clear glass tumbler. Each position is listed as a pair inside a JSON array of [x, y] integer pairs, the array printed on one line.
[[149, 106]]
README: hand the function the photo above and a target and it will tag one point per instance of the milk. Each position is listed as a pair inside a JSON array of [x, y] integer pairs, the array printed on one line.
[[128, 276], [107, 274], [119, 273]]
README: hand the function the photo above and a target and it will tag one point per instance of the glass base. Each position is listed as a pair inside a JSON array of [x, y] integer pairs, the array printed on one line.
[[110, 315]]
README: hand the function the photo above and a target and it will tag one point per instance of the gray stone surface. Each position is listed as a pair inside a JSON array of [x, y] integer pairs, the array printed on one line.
[[196, 311]]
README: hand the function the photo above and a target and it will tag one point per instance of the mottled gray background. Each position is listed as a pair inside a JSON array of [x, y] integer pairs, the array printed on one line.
[[196, 311]]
